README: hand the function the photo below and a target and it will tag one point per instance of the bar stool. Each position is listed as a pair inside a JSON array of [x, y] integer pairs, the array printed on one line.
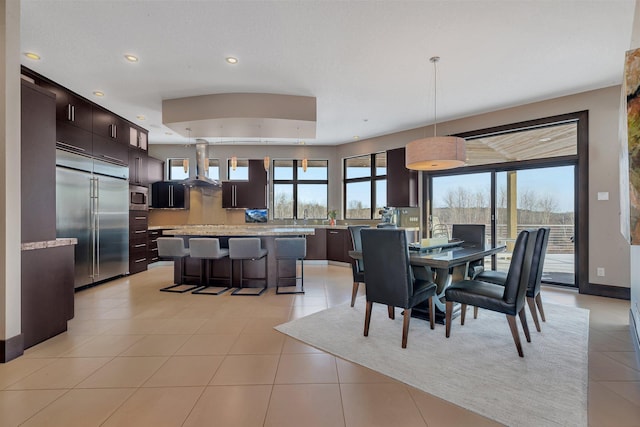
[[208, 250], [173, 247], [248, 248], [291, 248]]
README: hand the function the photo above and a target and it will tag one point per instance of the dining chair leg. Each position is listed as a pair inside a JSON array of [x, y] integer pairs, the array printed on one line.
[[367, 318], [475, 312], [525, 327], [405, 326], [354, 293], [532, 308], [540, 309], [432, 313], [463, 313], [392, 312], [514, 333], [447, 318]]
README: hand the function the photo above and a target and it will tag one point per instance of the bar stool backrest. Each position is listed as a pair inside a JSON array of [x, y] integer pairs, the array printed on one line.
[[172, 247], [206, 248], [245, 248]]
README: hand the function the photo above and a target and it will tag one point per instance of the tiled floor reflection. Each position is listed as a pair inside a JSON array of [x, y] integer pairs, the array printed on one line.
[[134, 356]]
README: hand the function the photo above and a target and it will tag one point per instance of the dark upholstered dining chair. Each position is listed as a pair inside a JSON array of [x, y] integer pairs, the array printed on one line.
[[472, 236], [535, 276], [507, 299], [357, 265], [389, 278]]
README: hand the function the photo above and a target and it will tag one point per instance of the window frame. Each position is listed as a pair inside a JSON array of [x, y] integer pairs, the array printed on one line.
[[295, 182], [372, 179], [171, 178]]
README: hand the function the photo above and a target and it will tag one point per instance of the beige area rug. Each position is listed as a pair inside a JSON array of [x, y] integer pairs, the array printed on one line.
[[477, 368]]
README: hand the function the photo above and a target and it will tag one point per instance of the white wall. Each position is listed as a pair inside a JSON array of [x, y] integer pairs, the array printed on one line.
[[10, 312]]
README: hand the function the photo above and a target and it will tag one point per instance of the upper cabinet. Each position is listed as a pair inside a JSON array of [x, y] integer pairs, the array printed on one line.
[[138, 138], [402, 183], [70, 108], [108, 125], [251, 194]]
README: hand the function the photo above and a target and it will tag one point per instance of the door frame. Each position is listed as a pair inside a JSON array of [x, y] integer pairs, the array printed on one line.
[[581, 185]]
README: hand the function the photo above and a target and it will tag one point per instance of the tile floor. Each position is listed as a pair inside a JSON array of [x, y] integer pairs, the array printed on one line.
[[134, 356]]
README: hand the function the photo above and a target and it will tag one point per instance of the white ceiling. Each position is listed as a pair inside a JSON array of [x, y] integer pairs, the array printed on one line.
[[366, 62]]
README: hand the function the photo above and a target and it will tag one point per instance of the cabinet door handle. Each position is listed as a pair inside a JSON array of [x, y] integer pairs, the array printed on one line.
[[141, 245], [171, 196], [115, 159], [140, 260], [333, 232], [69, 113], [139, 231], [140, 217]]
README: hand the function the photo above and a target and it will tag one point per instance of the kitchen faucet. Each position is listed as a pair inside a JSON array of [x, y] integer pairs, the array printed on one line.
[[304, 217]]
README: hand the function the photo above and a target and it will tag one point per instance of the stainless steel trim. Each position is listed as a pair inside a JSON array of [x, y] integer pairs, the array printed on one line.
[[115, 159], [71, 147]]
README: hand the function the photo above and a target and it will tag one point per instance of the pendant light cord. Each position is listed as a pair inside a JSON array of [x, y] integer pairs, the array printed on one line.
[[434, 60]]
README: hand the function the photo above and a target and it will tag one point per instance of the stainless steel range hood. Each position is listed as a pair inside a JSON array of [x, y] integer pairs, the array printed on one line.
[[201, 179]]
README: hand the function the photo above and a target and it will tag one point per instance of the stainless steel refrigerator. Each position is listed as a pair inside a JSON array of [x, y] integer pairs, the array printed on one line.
[[92, 205]]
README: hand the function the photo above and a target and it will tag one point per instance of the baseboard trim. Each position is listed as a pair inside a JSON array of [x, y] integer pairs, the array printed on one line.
[[12, 348], [606, 291]]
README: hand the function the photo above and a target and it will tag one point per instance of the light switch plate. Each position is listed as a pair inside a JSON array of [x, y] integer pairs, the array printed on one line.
[[603, 195]]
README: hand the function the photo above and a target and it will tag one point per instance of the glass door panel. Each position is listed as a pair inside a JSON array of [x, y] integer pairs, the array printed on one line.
[[461, 199], [542, 197]]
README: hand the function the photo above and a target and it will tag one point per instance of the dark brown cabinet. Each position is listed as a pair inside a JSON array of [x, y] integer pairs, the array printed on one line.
[[108, 125], [317, 244], [70, 108], [138, 138], [138, 241], [251, 194], [169, 195], [338, 245], [109, 150], [38, 163], [138, 167], [402, 183], [155, 170], [152, 253]]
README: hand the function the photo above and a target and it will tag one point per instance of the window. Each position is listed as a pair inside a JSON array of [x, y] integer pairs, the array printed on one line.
[[178, 169], [365, 186], [298, 193], [240, 173], [213, 168]]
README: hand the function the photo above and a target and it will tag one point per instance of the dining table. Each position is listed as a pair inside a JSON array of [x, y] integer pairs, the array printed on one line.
[[443, 266]]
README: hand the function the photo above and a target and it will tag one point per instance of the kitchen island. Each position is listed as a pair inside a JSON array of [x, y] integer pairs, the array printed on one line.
[[189, 272]]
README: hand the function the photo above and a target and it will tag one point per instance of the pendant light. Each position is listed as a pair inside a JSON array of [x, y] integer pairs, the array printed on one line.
[[436, 152], [185, 162], [234, 161]]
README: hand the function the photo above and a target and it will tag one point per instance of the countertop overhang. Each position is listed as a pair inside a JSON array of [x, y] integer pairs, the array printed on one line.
[[230, 230]]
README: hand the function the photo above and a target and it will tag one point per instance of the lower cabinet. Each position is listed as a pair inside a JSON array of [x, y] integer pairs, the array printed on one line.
[[317, 244], [338, 245], [48, 304], [152, 249], [138, 241]]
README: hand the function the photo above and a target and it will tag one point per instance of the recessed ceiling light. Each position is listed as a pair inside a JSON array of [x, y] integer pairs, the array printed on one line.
[[168, 133], [32, 55], [131, 58], [141, 117], [231, 60], [356, 137], [98, 93], [545, 139]]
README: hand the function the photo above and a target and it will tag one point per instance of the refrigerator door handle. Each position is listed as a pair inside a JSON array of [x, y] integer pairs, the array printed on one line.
[[92, 215], [97, 227]]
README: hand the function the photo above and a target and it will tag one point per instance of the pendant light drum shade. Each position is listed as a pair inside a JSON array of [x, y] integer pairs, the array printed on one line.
[[435, 153]]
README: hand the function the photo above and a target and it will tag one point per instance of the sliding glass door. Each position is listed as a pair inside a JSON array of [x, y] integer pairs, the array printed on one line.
[[540, 197]]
